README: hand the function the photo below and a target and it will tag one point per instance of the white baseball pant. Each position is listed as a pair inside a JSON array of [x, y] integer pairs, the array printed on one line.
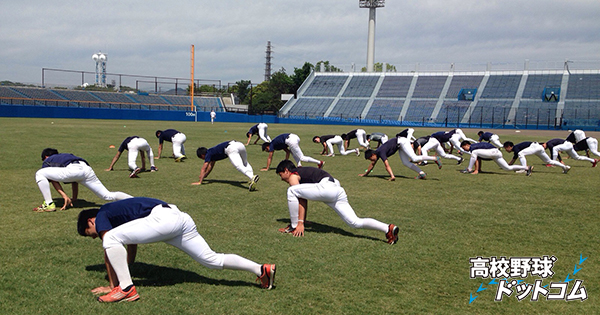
[[568, 148], [135, 145], [495, 155], [538, 149], [236, 151], [175, 228], [361, 137], [293, 143], [434, 144], [178, 148], [262, 132], [75, 172], [339, 142], [333, 195]]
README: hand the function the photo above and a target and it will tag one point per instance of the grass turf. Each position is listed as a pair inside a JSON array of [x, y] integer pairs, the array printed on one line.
[[444, 220]]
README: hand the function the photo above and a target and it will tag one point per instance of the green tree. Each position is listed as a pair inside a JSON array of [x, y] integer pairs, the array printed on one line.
[[328, 67], [267, 95], [242, 88], [378, 67], [300, 75]]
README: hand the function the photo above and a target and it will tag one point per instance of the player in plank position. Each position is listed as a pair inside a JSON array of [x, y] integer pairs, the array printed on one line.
[[390, 148], [68, 168], [329, 140], [378, 137], [134, 145], [143, 220], [174, 136], [520, 150], [484, 150], [290, 143], [490, 137], [359, 134], [454, 137], [555, 146], [235, 151], [310, 183], [260, 130], [424, 144]]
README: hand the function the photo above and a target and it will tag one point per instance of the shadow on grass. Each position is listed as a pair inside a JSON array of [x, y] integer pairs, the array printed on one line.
[[157, 276], [311, 226], [242, 184], [79, 203]]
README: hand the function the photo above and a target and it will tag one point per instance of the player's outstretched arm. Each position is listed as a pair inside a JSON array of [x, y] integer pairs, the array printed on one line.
[[369, 169], [114, 160], [160, 147], [68, 201], [206, 168], [388, 168], [269, 160]]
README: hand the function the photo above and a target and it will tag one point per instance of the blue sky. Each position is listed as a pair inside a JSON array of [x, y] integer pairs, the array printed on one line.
[[154, 37]]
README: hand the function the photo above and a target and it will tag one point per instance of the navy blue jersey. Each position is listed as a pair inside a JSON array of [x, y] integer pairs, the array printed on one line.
[[571, 138], [326, 137], [351, 134], [443, 136], [519, 147], [554, 142], [119, 212], [278, 142], [387, 149], [217, 152], [486, 136], [253, 130], [167, 135], [420, 142], [125, 142], [481, 146], [581, 145], [62, 160], [311, 175]]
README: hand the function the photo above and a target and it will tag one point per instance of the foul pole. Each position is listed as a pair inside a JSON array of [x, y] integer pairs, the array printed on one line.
[[192, 77]]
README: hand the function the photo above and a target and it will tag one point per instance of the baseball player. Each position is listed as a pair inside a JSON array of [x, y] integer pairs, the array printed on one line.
[[588, 144], [68, 168], [359, 134], [388, 149], [310, 183], [576, 136], [407, 153], [484, 150], [329, 140], [260, 130], [490, 137], [213, 115], [555, 146], [235, 151], [143, 220], [454, 137], [174, 136], [378, 137], [523, 149], [424, 144], [290, 143], [134, 145]]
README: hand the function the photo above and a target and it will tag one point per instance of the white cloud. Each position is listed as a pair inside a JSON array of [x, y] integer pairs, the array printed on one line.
[[154, 37]]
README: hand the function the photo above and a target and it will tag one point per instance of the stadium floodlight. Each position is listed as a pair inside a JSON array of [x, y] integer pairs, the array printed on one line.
[[371, 5], [100, 59]]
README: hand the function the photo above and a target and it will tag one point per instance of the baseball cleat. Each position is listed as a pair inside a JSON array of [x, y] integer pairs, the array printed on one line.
[[320, 165], [357, 152], [135, 173], [438, 161], [421, 176], [118, 295], [566, 170], [252, 186], [45, 207], [460, 161], [595, 162], [181, 158], [267, 277], [287, 229], [153, 169], [529, 170], [392, 234]]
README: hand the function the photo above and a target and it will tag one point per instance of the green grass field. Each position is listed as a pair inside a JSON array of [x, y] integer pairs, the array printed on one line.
[[47, 268]]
